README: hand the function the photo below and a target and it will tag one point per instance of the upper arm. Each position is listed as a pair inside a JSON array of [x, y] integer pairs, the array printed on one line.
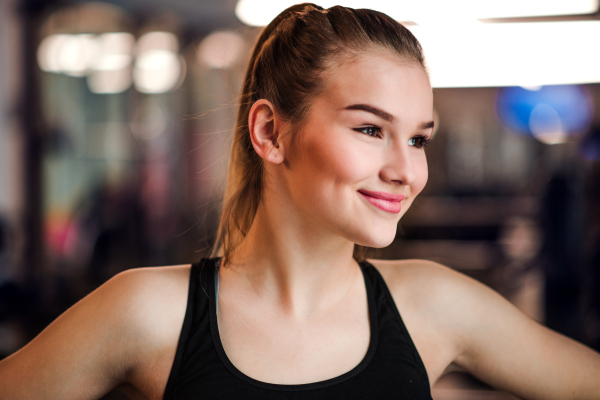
[[473, 327], [505, 348], [93, 346]]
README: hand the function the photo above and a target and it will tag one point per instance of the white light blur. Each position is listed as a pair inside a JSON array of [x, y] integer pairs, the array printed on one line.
[[158, 67], [535, 88], [462, 52], [261, 12], [221, 49], [47, 54], [105, 59], [111, 70], [511, 54], [115, 51], [110, 80], [426, 10], [157, 41], [76, 53], [546, 126]]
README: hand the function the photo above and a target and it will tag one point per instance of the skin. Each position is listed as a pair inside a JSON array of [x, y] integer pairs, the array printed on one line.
[[292, 302]]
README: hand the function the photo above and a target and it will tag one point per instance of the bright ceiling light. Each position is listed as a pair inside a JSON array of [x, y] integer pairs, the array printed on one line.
[[75, 53], [111, 69], [86, 54], [157, 72], [473, 54], [261, 12], [158, 67], [221, 49], [511, 54], [47, 54], [157, 41], [425, 10], [115, 51], [110, 80]]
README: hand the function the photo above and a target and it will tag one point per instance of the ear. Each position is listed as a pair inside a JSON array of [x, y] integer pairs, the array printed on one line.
[[265, 130]]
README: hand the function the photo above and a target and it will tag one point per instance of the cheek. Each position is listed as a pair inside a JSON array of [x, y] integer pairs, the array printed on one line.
[[418, 184], [335, 161], [422, 174]]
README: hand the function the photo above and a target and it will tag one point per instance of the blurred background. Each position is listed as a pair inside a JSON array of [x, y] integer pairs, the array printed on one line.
[[116, 118]]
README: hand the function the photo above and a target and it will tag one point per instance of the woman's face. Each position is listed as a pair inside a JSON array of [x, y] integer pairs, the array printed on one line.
[[358, 161]]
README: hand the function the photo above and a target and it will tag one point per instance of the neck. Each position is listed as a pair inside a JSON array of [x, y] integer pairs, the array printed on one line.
[[298, 264]]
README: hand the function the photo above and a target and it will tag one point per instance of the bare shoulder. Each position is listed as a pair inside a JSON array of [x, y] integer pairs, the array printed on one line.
[[396, 271], [427, 283], [153, 304], [437, 305], [126, 331], [443, 298], [458, 322], [145, 294]]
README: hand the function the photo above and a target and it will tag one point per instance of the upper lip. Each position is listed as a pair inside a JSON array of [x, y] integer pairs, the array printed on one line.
[[383, 195]]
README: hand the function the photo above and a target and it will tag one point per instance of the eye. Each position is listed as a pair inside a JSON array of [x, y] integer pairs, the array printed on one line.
[[370, 130], [419, 141]]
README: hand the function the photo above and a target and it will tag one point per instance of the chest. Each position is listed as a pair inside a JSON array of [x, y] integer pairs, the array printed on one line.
[[272, 348], [365, 354]]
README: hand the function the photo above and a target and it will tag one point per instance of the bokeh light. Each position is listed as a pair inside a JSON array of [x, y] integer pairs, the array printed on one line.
[[111, 71], [221, 49], [261, 12], [589, 147], [551, 113], [158, 67], [47, 54], [106, 60]]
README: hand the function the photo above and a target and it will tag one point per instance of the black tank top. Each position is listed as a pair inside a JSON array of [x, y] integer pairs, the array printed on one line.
[[391, 369]]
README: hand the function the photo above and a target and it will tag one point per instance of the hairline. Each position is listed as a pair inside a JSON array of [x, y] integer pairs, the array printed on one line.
[[340, 58]]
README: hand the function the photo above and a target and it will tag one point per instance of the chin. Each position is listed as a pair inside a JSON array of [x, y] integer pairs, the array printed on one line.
[[377, 238]]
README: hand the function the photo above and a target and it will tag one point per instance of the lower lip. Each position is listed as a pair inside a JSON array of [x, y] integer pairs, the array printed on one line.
[[385, 205]]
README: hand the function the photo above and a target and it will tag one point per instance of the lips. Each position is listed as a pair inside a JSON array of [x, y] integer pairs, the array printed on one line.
[[385, 201]]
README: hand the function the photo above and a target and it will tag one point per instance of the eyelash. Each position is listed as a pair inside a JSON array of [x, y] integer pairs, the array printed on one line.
[[374, 128], [420, 141]]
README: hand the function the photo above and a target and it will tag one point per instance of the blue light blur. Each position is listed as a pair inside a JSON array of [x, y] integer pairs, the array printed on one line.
[[514, 107], [589, 147]]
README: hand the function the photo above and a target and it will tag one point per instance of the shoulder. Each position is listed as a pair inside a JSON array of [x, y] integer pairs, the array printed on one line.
[[125, 331], [458, 322], [150, 304], [397, 272], [147, 302], [441, 309], [139, 288], [427, 283], [452, 300]]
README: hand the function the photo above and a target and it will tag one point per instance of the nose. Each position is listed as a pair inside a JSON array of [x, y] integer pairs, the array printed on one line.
[[398, 165]]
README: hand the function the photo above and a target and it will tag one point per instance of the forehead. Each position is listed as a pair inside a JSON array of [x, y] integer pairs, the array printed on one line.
[[401, 88]]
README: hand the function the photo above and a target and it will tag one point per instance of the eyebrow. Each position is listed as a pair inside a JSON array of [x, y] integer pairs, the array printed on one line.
[[385, 115], [426, 125], [373, 110]]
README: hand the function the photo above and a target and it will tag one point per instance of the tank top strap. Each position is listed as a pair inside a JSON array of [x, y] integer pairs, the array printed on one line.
[[391, 368], [195, 332], [391, 325]]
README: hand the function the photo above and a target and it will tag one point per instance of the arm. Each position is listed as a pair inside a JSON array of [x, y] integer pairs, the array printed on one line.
[[501, 346], [102, 340]]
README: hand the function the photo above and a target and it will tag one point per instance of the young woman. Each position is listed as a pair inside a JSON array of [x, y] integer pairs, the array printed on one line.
[[328, 154]]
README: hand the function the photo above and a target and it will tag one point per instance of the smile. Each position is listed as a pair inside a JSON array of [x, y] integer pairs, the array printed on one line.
[[385, 201]]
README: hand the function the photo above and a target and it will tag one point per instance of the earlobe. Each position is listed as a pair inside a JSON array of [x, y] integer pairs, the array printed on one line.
[[264, 126]]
